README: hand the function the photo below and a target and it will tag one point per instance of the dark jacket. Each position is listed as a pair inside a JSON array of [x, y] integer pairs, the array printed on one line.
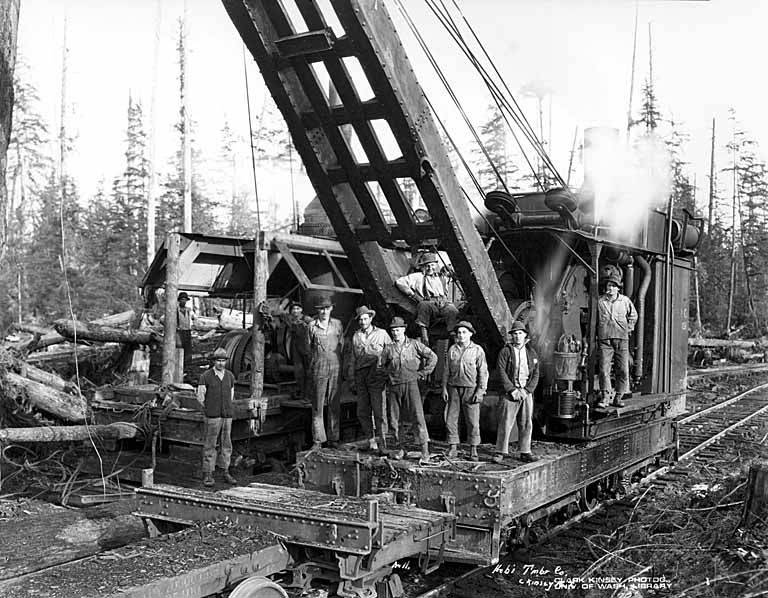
[[507, 364], [218, 393], [408, 361]]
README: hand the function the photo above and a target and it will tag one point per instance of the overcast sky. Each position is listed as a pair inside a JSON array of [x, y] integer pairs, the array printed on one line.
[[707, 57]]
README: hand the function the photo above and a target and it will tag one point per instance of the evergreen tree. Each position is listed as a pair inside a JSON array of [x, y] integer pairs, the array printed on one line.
[[493, 134]]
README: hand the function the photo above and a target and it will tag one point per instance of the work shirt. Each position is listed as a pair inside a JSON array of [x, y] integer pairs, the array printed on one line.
[[367, 348], [219, 392], [185, 316], [518, 368], [429, 287], [324, 347], [617, 318], [466, 366], [297, 326], [407, 361]]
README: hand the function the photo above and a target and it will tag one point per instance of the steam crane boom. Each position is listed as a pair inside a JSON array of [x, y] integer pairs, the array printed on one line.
[[289, 63]]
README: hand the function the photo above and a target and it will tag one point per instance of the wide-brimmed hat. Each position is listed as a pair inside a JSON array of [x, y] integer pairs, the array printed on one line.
[[295, 303], [428, 258], [397, 323], [364, 310], [325, 302], [219, 354], [182, 297], [518, 325], [464, 324], [614, 278]]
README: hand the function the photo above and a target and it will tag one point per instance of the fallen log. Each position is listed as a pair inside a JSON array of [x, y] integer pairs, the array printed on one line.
[[52, 535], [68, 407], [58, 360], [721, 342], [48, 378], [105, 334], [116, 430], [45, 337]]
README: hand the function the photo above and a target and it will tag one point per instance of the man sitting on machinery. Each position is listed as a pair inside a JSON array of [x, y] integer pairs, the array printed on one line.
[[426, 288]]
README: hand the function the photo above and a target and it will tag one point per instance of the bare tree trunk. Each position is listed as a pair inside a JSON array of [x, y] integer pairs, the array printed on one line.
[[62, 405], [151, 141], [170, 357], [186, 137], [711, 208], [9, 23], [734, 213], [105, 334]]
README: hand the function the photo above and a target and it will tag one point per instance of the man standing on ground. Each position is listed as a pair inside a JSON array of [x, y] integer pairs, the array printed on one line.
[[465, 380], [616, 319], [324, 339], [426, 288], [518, 367], [406, 361], [368, 379], [216, 392]]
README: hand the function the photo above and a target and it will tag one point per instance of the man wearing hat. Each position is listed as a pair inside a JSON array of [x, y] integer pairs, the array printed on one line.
[[406, 361], [465, 380], [296, 325], [324, 338], [367, 377], [518, 367], [185, 316], [426, 288], [216, 392], [616, 318]]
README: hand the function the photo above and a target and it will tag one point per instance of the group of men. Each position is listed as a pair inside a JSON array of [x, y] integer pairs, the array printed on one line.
[[385, 369]]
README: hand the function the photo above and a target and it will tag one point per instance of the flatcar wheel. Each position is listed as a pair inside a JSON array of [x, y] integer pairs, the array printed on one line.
[[258, 587], [588, 497]]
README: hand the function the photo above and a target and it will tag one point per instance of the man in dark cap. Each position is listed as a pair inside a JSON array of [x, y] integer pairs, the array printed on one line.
[[216, 392], [185, 317], [518, 367], [368, 379], [616, 318], [406, 361], [426, 288], [465, 380], [296, 324], [324, 338]]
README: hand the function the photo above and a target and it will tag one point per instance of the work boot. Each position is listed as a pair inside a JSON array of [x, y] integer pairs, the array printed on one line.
[[617, 402], [316, 445], [208, 479], [229, 478], [528, 457], [499, 458], [473, 453], [601, 404], [397, 454], [453, 451], [332, 444], [424, 454], [373, 445]]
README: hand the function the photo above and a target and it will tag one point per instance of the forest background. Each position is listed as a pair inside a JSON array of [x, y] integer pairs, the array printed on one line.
[[64, 248]]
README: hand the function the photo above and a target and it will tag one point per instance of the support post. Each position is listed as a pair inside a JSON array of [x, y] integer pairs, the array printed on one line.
[[170, 355], [260, 274], [756, 502]]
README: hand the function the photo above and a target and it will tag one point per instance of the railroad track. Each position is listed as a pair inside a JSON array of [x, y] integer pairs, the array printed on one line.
[[699, 435]]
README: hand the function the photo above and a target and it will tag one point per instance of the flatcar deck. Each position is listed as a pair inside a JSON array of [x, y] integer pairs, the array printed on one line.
[[488, 498], [355, 529]]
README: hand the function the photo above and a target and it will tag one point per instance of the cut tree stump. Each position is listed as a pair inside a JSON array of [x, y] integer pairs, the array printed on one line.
[[62, 405], [756, 502]]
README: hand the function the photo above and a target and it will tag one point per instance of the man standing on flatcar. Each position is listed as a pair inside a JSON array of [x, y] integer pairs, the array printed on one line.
[[324, 338], [616, 319], [368, 379], [406, 361], [215, 392], [297, 327], [426, 288], [518, 367], [465, 380]]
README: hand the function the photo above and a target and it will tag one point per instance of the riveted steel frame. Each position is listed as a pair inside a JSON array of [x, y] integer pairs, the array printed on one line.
[[339, 179]]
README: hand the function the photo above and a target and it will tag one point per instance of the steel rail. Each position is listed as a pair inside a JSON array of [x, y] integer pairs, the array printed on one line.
[[721, 405]]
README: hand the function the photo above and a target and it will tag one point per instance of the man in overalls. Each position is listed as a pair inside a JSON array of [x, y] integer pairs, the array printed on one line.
[[324, 338]]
